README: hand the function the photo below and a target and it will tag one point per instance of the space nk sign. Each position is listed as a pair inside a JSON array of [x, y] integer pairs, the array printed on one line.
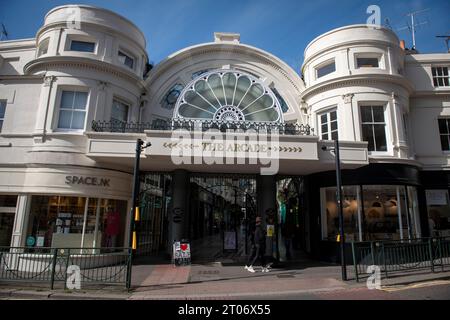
[[89, 181]]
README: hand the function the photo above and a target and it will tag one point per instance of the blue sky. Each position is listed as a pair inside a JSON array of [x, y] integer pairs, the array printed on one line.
[[282, 27]]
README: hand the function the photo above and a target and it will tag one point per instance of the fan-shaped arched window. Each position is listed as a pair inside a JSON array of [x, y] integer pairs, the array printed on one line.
[[228, 95]]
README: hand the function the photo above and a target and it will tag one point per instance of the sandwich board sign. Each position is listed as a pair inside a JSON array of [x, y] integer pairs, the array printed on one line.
[[181, 253]]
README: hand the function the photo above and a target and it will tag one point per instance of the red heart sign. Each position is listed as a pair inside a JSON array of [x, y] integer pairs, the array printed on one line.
[[184, 246]]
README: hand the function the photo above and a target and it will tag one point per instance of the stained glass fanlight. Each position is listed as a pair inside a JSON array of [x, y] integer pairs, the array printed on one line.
[[228, 95]]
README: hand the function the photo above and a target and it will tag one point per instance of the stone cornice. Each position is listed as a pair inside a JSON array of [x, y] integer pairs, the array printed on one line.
[[352, 80], [214, 48], [83, 63]]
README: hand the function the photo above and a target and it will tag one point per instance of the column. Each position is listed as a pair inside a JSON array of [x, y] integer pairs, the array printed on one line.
[[267, 202], [178, 214], [43, 108], [19, 233]]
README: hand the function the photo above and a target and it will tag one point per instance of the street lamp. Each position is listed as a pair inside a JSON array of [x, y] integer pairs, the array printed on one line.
[[135, 193], [339, 199]]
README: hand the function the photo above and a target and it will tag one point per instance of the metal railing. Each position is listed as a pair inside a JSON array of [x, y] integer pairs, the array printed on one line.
[[203, 125], [55, 265], [400, 255]]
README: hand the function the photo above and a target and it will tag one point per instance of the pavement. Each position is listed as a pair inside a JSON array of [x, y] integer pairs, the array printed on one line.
[[303, 279]]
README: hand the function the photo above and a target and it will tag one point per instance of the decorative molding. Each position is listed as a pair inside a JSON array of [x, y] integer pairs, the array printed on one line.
[[102, 85], [348, 97], [48, 80]]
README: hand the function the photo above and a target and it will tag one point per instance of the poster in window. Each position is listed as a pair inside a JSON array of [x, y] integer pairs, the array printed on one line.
[[229, 240]]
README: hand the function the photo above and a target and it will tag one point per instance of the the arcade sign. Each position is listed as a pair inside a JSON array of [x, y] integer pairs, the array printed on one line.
[[88, 181]]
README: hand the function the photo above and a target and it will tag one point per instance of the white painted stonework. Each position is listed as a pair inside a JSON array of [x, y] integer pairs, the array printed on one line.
[[36, 156]]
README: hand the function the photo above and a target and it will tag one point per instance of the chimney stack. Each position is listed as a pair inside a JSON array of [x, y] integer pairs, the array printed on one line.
[[402, 44]]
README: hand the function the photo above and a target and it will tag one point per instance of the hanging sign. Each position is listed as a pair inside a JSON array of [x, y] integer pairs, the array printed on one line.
[[181, 253]]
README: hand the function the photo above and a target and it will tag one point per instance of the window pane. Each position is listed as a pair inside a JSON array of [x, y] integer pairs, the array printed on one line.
[[125, 59], [1, 125], [444, 143], [334, 125], [435, 82], [2, 109], [382, 208], [446, 82], [324, 128], [327, 69], [439, 71], [380, 137], [80, 100], [67, 99], [367, 62], [367, 135], [323, 119], [119, 111], [366, 114], [334, 135], [82, 46], [433, 71], [442, 125], [378, 114], [78, 120], [445, 71], [325, 136], [64, 119], [333, 115]]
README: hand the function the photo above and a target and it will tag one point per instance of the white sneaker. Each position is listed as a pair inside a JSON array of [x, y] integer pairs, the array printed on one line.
[[265, 270], [246, 267], [250, 269]]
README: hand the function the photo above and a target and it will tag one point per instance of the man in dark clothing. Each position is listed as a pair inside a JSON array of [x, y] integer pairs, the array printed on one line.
[[258, 248]]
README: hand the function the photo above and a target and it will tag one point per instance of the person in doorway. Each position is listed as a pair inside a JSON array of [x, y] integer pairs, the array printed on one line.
[[258, 248]]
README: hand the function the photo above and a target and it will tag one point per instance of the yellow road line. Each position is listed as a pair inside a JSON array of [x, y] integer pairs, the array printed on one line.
[[416, 285]]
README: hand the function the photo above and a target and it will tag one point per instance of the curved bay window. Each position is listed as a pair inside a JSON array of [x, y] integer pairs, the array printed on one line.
[[227, 95], [371, 212]]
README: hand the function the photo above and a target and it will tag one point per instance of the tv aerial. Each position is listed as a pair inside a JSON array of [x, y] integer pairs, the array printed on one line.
[[414, 24]]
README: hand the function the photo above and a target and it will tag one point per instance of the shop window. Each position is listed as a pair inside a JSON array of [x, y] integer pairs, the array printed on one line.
[[444, 133], [72, 110], [371, 213], [329, 125], [43, 47], [325, 69], [82, 46], [76, 222], [171, 97], [351, 212], [119, 115], [438, 208], [441, 77], [2, 113], [7, 215], [126, 60], [374, 127]]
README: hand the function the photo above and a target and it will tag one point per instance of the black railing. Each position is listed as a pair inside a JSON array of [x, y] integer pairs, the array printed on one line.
[[203, 125], [53, 265], [401, 255]]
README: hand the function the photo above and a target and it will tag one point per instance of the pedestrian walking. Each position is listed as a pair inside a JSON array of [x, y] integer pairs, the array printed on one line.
[[258, 248]]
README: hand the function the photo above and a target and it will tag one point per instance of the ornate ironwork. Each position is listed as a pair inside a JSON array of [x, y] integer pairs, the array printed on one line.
[[204, 125]]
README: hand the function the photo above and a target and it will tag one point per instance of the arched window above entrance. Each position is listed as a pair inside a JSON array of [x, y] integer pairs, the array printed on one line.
[[228, 95]]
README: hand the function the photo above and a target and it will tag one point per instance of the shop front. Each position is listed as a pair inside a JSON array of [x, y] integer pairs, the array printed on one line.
[[68, 207], [380, 202]]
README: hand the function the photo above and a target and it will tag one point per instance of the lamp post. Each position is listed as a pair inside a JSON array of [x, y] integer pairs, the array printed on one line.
[[340, 210], [135, 193]]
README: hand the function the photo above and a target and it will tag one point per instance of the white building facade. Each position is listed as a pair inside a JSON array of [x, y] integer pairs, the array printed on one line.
[[74, 100]]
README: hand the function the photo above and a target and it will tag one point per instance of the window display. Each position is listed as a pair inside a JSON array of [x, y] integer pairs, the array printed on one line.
[[60, 221], [438, 207], [371, 213]]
